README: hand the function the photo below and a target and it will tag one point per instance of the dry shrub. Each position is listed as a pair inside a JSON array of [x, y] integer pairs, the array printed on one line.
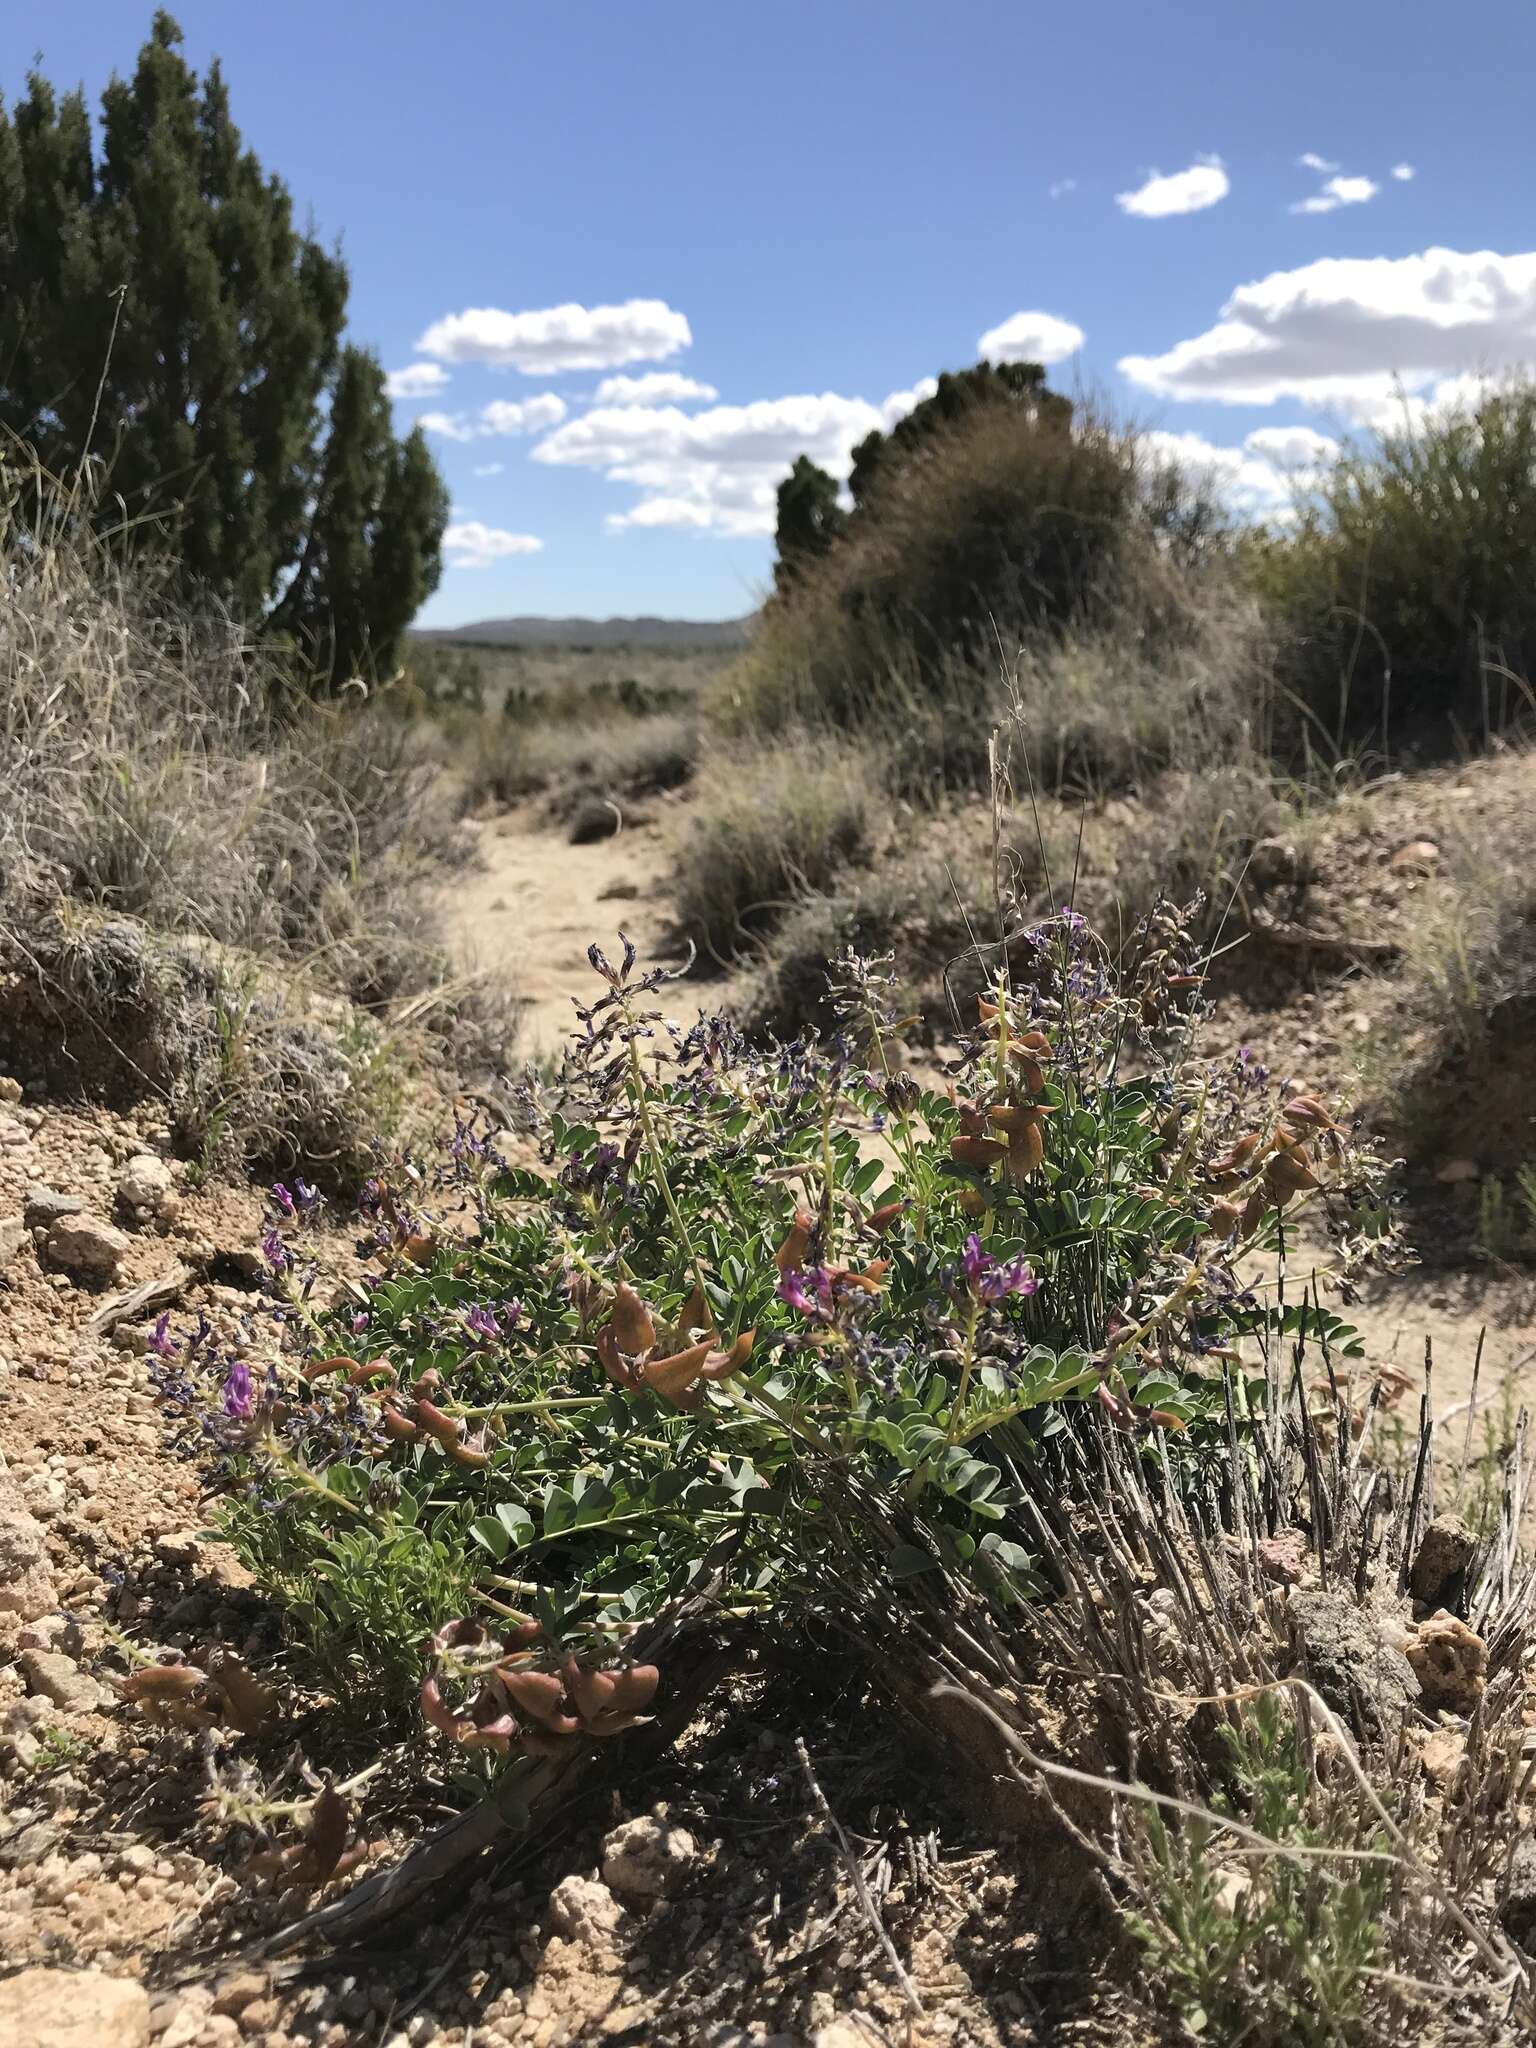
[[771, 829]]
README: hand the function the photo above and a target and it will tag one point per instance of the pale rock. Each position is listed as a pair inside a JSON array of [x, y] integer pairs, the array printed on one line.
[[13, 1235], [73, 2009], [584, 1911], [145, 1187], [648, 1858], [26, 1579], [1418, 857], [42, 1207], [85, 1245], [56, 1678]]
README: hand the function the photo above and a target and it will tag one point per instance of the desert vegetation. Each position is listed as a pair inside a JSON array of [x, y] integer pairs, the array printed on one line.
[[936, 1346]]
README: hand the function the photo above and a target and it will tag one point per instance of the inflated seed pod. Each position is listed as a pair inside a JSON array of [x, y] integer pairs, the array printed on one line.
[[790, 1256], [375, 1369], [318, 1368], [398, 1426], [630, 1321], [979, 1153], [432, 1419]]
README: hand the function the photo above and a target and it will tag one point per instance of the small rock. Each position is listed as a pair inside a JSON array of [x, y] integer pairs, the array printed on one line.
[[1281, 1557], [13, 1235], [648, 1858], [235, 1993], [1439, 1573], [59, 1632], [73, 2009], [55, 1678], [1449, 1661], [1517, 1895], [85, 1245], [1356, 1670], [1418, 857], [845, 2033], [585, 1911], [145, 1187], [28, 1846], [26, 1580], [10, 1088], [177, 1547], [619, 892], [42, 1207], [1457, 1170]]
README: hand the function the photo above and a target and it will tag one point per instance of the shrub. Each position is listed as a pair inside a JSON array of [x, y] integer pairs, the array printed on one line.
[[1005, 528], [1405, 588], [745, 1276], [767, 831]]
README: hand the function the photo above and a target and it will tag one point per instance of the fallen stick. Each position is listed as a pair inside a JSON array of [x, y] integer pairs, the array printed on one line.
[[161, 1292]]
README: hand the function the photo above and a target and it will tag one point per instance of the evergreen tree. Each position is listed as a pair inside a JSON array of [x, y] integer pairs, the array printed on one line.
[[958, 393], [161, 314], [809, 520]]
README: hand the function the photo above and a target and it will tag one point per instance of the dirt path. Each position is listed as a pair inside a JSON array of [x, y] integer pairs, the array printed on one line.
[[536, 903]]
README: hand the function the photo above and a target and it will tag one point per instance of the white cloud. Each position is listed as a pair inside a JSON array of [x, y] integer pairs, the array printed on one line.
[[1351, 332], [1309, 160], [559, 338], [1338, 192], [416, 380], [473, 545], [1403, 173], [656, 387], [522, 416], [1031, 338], [900, 403], [489, 468], [501, 416], [449, 426], [1292, 448], [1191, 191], [719, 469], [1061, 187]]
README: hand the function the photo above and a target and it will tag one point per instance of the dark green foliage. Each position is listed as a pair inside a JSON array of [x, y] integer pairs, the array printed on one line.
[[1406, 589], [810, 519], [960, 392], [161, 314]]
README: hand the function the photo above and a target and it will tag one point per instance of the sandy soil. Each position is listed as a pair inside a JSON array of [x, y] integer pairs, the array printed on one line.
[[535, 903]]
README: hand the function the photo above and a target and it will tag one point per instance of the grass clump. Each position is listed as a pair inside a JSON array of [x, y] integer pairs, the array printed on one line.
[[211, 886], [769, 831]]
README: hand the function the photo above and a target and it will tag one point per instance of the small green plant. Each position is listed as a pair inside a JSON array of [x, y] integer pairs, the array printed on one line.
[[745, 1282], [58, 1749], [1280, 1945]]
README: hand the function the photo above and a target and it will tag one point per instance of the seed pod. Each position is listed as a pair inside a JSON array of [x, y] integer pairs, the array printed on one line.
[[444, 1427], [319, 1368], [1253, 1210], [882, 1218], [375, 1369], [672, 1378], [630, 1321], [252, 1703], [721, 1364], [973, 1202], [474, 1456], [161, 1684], [428, 1383], [621, 1374], [1222, 1218], [980, 1153], [420, 1248], [1309, 1113], [1240, 1154], [695, 1313], [1287, 1174], [790, 1256], [398, 1426], [541, 1694]]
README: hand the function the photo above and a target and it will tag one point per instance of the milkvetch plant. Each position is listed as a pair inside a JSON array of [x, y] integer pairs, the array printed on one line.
[[578, 1392]]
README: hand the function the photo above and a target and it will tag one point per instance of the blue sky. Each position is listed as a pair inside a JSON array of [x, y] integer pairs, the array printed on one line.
[[808, 206]]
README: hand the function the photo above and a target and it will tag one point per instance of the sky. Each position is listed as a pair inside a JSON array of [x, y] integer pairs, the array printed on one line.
[[625, 259]]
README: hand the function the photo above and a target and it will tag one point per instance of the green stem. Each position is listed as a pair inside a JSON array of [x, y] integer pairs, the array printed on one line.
[[967, 1362]]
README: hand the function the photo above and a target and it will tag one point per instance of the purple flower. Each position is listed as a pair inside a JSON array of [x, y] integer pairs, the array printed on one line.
[[793, 1290], [481, 1322], [161, 1342], [990, 1279], [237, 1399], [306, 1196], [284, 1199], [360, 1322], [275, 1252]]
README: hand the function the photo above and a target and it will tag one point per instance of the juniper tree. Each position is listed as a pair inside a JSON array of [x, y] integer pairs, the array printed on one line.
[[809, 520], [161, 314]]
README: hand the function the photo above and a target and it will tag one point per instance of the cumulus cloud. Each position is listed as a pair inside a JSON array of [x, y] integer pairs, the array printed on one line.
[[522, 416], [1353, 332], [656, 387], [719, 469], [1260, 480], [472, 545], [1338, 192], [1031, 338], [416, 380], [1309, 160], [1403, 173], [1191, 191], [559, 338], [900, 403], [501, 416], [1061, 187]]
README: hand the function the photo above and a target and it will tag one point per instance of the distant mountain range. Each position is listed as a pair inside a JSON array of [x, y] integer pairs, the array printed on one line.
[[647, 632]]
